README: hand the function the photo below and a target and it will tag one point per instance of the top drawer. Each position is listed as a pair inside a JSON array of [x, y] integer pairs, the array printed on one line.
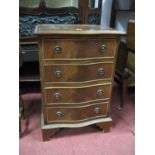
[[78, 49]]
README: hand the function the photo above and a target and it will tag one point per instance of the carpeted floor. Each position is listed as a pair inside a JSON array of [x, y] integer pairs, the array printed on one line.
[[81, 141]]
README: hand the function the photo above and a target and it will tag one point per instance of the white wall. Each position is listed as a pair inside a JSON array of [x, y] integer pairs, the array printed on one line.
[[122, 19], [106, 12]]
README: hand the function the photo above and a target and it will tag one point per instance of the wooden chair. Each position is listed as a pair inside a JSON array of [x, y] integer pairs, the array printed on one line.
[[128, 77]]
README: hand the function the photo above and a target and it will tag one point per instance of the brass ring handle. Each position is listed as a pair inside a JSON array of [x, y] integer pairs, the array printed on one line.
[[57, 96], [100, 92], [100, 71], [58, 49], [103, 48], [59, 114], [58, 73], [97, 110]]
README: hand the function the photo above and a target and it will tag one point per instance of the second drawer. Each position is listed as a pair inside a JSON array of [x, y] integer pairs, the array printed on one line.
[[78, 72]]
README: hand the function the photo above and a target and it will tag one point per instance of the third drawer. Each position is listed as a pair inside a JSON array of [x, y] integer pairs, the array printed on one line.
[[84, 94]]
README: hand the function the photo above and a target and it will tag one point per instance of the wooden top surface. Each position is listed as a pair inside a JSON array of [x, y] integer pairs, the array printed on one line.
[[74, 29]]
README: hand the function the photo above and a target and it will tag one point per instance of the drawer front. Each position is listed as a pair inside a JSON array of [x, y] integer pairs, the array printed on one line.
[[77, 95], [69, 49], [71, 114], [78, 73]]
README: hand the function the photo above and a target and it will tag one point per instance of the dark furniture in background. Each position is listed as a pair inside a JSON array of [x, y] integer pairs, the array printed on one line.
[[79, 12]]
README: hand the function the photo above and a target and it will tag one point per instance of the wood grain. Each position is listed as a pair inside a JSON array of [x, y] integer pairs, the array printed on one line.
[[79, 72], [77, 95], [76, 113], [76, 48], [75, 29]]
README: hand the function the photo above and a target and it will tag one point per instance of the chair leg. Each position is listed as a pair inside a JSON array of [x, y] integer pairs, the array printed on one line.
[[123, 90], [20, 130], [124, 82], [21, 114], [122, 94]]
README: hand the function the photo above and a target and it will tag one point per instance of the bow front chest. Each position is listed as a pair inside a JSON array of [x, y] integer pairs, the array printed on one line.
[[77, 65]]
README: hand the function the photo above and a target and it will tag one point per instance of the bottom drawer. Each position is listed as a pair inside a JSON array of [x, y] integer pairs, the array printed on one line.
[[76, 113]]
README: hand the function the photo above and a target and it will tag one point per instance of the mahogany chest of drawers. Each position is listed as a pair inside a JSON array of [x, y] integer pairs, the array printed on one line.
[[77, 65]]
